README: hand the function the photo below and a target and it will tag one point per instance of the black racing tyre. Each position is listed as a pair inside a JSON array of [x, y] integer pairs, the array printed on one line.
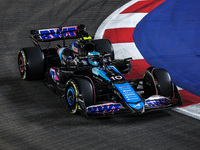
[[104, 46], [31, 63], [76, 87], [157, 81]]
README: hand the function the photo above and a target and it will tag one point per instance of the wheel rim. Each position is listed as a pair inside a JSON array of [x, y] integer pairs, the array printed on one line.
[[70, 97], [21, 64]]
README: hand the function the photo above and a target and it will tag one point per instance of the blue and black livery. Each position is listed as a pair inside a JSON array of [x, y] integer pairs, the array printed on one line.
[[94, 82]]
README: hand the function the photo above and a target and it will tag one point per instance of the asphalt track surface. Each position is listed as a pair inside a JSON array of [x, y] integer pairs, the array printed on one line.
[[33, 117]]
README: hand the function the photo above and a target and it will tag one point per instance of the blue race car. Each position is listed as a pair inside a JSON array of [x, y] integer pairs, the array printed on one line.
[[89, 78]]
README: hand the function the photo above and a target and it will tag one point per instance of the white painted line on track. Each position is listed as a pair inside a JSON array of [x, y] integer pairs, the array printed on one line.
[[113, 16], [129, 20], [192, 111], [126, 50]]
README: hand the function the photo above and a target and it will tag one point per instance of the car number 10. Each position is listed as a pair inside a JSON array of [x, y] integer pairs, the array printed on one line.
[[116, 77]]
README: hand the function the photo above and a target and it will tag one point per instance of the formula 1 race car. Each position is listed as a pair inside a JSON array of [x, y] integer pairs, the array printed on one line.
[[89, 77]]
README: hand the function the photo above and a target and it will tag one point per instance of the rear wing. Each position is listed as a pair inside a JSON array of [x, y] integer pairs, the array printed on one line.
[[62, 33]]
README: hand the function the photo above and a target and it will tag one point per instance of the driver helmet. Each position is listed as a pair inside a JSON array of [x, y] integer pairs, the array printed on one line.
[[74, 47], [93, 61]]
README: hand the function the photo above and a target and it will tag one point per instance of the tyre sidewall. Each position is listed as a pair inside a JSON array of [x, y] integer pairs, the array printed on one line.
[[158, 81], [163, 82]]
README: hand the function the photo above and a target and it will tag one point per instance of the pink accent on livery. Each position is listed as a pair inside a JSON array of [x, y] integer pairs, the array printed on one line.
[[57, 33], [56, 30], [64, 29], [58, 51], [53, 74], [69, 27]]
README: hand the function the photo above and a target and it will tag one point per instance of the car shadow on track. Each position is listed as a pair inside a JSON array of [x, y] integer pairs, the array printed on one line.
[[36, 103]]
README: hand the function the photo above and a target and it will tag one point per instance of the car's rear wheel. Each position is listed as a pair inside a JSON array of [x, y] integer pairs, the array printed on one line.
[[31, 63], [157, 81]]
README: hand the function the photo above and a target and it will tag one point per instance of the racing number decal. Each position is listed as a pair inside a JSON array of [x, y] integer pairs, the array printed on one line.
[[118, 77]]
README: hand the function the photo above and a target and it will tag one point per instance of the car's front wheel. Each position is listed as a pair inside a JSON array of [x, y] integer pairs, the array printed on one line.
[[71, 94], [79, 90], [157, 81]]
